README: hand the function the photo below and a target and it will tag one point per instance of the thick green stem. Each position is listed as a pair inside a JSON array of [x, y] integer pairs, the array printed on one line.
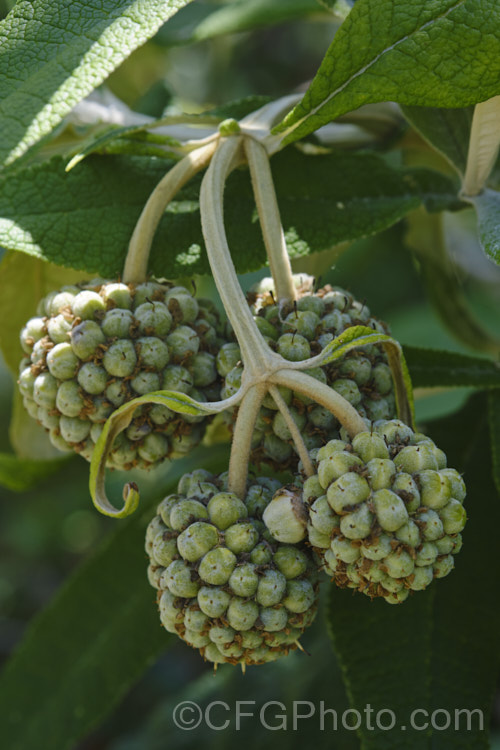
[[136, 262], [255, 354], [300, 446], [347, 415], [270, 220], [242, 439]]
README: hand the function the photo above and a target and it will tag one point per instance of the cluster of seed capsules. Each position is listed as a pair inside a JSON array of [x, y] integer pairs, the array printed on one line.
[[299, 331], [225, 585], [96, 346], [237, 578]]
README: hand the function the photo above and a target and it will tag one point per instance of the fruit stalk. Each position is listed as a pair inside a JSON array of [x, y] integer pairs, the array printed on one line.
[[270, 221], [136, 263]]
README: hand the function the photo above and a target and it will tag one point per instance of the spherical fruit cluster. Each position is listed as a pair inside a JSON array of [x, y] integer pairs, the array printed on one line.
[[298, 332], [384, 514], [224, 585], [95, 346]]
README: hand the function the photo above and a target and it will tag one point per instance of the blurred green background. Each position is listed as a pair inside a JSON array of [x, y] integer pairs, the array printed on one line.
[[46, 532]]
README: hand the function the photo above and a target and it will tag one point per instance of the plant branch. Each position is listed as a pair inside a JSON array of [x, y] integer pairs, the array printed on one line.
[[242, 439], [136, 262], [255, 353], [347, 415], [270, 220], [300, 446]]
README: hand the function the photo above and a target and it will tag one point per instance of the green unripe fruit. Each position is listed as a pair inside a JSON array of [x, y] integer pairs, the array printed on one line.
[[303, 322], [117, 323], [369, 446], [334, 467], [348, 390], [409, 534], [86, 338], [45, 390], [273, 619], [241, 537], [322, 517], [350, 489], [92, 378], [290, 561], [225, 509], [378, 548], [177, 378], [119, 294], [244, 580], [456, 482], [344, 550], [421, 578], [241, 614], [227, 358], [294, 347], [381, 472], [153, 319], [74, 430], [453, 517], [120, 359], [213, 601], [179, 579], [358, 524], [390, 510], [234, 585], [69, 400], [272, 586], [195, 541], [316, 538], [183, 343], [414, 458], [391, 523], [435, 488], [399, 564], [299, 596], [86, 304], [217, 565], [431, 525], [426, 554], [443, 566], [58, 329], [186, 512]]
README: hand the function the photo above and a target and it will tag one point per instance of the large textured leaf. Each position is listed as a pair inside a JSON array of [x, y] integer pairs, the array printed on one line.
[[96, 637], [444, 53], [53, 54], [203, 20], [430, 368], [85, 218], [438, 650], [487, 206], [448, 130]]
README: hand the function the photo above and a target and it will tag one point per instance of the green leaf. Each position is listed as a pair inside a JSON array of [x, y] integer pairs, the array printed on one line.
[[444, 53], [52, 55], [203, 20], [411, 657], [447, 130], [487, 206], [430, 368], [92, 642], [21, 474], [85, 218], [119, 421], [24, 281]]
